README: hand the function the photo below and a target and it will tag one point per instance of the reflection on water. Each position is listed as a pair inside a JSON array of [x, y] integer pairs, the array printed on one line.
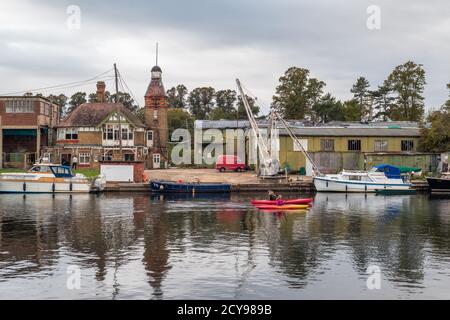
[[163, 247]]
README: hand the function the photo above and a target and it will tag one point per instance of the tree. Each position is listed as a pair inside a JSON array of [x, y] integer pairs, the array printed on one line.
[[225, 100], [407, 82], [75, 100], [124, 98], [201, 102], [61, 101], [176, 96], [297, 93], [179, 118], [241, 113], [351, 111], [383, 102], [436, 136], [362, 95], [328, 109], [92, 98]]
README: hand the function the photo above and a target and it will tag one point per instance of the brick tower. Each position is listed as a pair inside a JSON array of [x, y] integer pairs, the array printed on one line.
[[156, 121]]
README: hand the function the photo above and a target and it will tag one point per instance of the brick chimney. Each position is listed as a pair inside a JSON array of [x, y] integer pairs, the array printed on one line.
[[101, 91]]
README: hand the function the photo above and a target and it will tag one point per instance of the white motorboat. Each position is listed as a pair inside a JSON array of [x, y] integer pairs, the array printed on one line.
[[49, 178], [359, 181]]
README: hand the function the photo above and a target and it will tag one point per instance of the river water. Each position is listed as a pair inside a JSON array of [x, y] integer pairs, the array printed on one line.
[[125, 246]]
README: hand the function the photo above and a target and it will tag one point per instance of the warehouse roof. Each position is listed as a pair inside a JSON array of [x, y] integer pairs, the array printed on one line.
[[303, 128]]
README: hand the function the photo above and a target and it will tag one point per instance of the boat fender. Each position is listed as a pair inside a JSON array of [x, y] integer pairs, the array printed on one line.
[[346, 188], [327, 184], [24, 187], [161, 187], [70, 186], [365, 187], [53, 187]]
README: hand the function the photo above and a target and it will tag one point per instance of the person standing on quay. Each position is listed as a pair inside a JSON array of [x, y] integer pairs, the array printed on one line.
[[74, 162]]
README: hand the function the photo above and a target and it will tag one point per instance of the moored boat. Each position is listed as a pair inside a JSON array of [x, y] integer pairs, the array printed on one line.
[[49, 178], [359, 181], [441, 184], [188, 187]]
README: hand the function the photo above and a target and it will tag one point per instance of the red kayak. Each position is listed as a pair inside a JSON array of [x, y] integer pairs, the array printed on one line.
[[291, 201]]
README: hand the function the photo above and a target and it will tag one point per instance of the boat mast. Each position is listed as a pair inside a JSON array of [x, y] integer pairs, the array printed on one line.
[[262, 146], [118, 111]]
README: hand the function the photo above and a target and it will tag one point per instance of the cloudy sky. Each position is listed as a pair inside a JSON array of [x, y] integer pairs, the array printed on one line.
[[212, 42]]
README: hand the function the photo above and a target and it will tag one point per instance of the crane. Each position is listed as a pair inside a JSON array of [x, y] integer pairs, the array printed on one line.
[[269, 165]]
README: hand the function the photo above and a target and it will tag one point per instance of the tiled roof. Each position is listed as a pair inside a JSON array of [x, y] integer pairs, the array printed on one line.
[[155, 88], [93, 114]]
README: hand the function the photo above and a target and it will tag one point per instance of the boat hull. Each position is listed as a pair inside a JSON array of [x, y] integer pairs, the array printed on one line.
[[283, 207], [439, 184], [289, 201], [43, 187], [175, 187], [324, 184]]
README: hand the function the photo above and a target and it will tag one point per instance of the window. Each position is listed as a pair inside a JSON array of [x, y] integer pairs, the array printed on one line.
[[84, 158], [304, 143], [327, 144], [128, 157], [354, 145], [156, 158], [155, 114], [380, 145], [19, 106], [127, 134], [71, 134], [150, 135], [407, 145]]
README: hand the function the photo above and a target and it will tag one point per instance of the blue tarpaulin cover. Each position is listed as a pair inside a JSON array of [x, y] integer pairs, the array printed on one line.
[[390, 171]]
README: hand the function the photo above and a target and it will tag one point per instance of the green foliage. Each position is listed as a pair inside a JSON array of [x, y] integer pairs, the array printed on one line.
[[176, 96], [407, 82], [90, 173], [383, 102], [328, 109], [297, 93], [351, 111], [61, 101], [225, 104], [179, 118], [241, 113], [124, 98], [362, 95], [201, 102], [436, 136], [75, 100]]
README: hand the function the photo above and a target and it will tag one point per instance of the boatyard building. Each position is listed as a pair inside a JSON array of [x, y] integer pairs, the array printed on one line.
[[341, 145], [27, 125]]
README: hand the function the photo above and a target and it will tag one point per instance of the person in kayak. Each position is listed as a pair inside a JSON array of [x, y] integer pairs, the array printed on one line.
[[272, 195]]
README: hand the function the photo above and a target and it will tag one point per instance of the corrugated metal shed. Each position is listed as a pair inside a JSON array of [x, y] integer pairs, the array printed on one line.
[[347, 129]]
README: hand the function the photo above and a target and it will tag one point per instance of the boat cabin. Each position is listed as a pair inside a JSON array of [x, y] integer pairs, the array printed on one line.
[[59, 171]]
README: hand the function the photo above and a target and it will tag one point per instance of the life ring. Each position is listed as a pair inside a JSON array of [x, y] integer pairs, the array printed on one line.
[[144, 177]]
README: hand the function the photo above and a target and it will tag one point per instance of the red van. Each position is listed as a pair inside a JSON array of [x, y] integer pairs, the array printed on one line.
[[231, 163]]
